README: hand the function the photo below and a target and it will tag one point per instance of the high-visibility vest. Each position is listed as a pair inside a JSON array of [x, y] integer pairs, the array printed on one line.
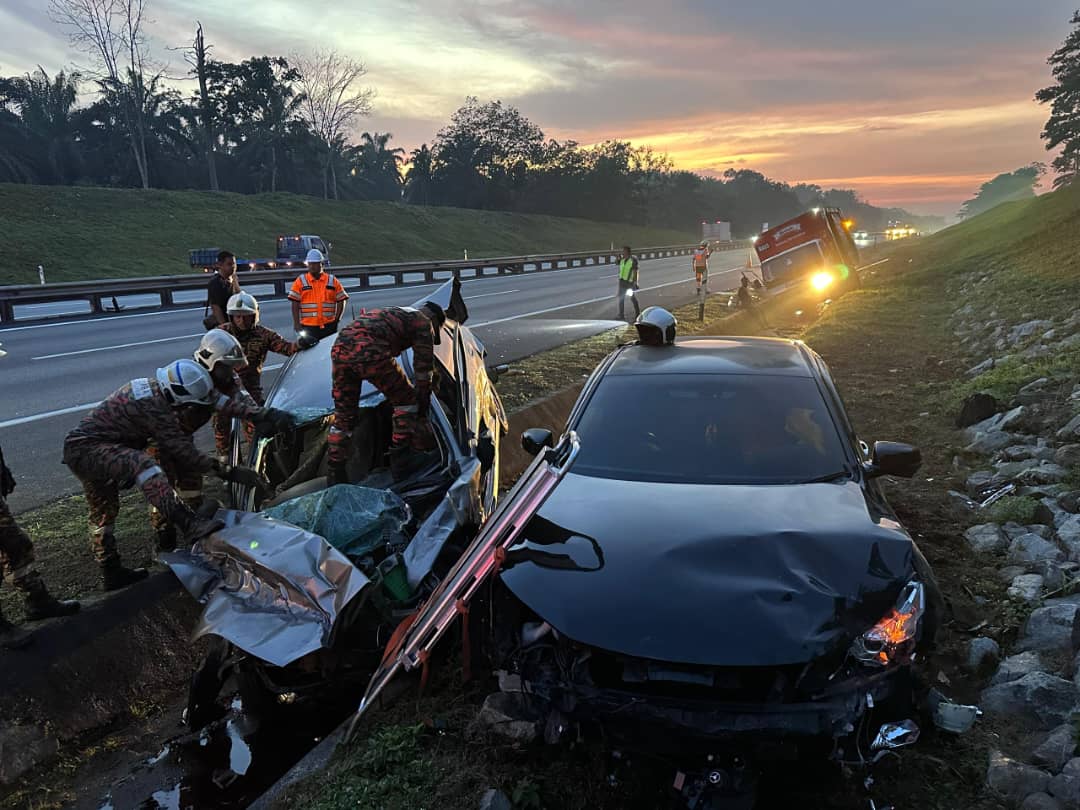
[[626, 269], [701, 259], [318, 298]]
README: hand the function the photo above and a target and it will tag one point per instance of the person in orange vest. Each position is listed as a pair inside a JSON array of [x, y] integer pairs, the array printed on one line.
[[318, 299], [700, 263]]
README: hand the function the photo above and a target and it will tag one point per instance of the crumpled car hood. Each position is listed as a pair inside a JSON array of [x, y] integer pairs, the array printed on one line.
[[270, 588], [709, 575]]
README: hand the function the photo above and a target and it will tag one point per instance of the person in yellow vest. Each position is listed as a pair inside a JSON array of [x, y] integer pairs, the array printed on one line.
[[700, 264], [628, 282], [318, 299]]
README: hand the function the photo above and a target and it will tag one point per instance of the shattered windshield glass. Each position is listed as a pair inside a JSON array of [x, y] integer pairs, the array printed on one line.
[[694, 428]]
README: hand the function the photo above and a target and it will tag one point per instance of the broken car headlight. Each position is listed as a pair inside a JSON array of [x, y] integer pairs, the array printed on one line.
[[892, 639]]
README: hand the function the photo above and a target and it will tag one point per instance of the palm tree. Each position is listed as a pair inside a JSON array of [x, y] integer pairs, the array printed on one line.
[[45, 108], [379, 165], [419, 180]]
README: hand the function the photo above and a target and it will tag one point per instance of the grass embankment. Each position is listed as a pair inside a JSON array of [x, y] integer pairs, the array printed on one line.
[[91, 233], [900, 369]]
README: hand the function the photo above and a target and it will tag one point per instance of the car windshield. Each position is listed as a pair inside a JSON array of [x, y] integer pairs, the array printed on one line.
[[709, 429]]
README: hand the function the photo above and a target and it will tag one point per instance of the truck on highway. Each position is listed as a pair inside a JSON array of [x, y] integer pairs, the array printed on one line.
[[816, 246], [291, 252], [715, 231]]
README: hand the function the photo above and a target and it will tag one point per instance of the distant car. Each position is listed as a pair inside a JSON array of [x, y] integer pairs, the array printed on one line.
[[298, 618], [717, 569]]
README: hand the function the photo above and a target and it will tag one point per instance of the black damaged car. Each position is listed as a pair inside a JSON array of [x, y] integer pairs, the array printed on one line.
[[718, 563]]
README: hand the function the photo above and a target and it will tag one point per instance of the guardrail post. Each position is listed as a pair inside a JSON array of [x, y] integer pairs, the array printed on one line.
[[166, 298], [279, 288], [95, 302], [7, 312]]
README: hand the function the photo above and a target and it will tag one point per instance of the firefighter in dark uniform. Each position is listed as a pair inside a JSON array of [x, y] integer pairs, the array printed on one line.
[[107, 451], [367, 349]]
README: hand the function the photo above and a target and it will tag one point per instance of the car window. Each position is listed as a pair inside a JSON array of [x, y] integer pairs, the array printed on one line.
[[695, 428]]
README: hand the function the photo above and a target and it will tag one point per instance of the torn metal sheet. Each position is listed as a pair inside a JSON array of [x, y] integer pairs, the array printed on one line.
[[270, 588], [457, 509]]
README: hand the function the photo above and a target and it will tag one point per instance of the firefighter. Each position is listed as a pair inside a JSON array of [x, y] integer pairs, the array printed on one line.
[[107, 452], [367, 349], [318, 299], [700, 264], [256, 341], [17, 563], [628, 282]]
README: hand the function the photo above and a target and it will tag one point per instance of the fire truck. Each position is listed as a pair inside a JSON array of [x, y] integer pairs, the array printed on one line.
[[815, 247]]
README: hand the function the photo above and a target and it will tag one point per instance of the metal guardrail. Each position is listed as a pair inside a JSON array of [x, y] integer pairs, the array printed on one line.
[[95, 292]]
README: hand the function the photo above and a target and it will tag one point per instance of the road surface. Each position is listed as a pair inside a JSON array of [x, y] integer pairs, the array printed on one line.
[[54, 372]]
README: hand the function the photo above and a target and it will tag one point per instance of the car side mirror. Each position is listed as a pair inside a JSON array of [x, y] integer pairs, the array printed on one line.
[[494, 372], [534, 440], [894, 458]]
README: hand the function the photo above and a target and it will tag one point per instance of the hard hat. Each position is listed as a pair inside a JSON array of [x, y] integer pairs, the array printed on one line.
[[243, 304], [218, 346], [435, 314], [184, 382], [313, 256], [655, 327]]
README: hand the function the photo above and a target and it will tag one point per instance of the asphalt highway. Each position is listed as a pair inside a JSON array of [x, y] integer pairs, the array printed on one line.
[[54, 372]]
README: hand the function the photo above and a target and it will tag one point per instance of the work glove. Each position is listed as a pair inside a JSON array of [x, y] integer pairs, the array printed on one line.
[[271, 421], [245, 476], [305, 341]]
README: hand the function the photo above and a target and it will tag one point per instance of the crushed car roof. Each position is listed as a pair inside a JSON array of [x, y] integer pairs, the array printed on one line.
[[740, 355]]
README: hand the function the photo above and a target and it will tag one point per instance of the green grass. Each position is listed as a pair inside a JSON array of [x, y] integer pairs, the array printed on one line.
[[87, 233]]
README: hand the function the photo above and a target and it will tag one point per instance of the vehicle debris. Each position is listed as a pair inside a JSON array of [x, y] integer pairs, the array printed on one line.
[[895, 735]]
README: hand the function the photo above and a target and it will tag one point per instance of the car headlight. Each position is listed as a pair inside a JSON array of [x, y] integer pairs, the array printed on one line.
[[892, 640], [819, 281]]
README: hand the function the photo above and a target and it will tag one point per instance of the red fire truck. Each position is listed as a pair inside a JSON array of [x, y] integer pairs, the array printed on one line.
[[816, 246]]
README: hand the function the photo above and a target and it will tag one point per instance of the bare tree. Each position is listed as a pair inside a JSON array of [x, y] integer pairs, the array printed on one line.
[[332, 101], [111, 32], [196, 57]]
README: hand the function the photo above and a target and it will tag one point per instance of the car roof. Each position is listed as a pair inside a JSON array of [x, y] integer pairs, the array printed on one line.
[[712, 355]]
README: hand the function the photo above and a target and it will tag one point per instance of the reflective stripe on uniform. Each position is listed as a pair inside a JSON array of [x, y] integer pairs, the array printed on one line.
[[147, 474]]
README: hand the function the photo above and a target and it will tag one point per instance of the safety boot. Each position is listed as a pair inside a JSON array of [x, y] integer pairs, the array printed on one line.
[[115, 576], [40, 604], [165, 539], [12, 637], [406, 462], [193, 527]]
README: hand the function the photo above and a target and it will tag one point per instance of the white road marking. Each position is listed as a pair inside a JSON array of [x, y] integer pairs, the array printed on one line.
[[488, 295], [22, 420], [118, 346]]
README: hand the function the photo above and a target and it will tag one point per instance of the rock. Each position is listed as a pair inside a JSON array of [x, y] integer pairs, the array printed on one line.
[[1044, 531], [1069, 501], [1056, 749], [1026, 588], [990, 441], [1037, 697], [998, 423], [1011, 572], [960, 505], [1068, 532], [987, 538], [509, 715], [1066, 789], [1030, 548], [1045, 514], [1052, 574], [976, 408], [1020, 452], [495, 800], [23, 748], [1033, 391], [1025, 330], [981, 368], [1016, 667], [1068, 455], [1040, 801], [1014, 530], [983, 656], [1072, 767], [1070, 430], [1029, 471], [1052, 628], [978, 481], [1014, 780]]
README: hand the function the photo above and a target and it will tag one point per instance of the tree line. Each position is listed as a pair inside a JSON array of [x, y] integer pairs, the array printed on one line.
[[275, 123]]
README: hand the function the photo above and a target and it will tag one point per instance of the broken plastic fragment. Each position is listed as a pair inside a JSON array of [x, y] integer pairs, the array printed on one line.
[[956, 718], [998, 495], [895, 735]]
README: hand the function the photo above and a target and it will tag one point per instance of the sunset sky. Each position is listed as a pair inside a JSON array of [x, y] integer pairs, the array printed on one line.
[[912, 103]]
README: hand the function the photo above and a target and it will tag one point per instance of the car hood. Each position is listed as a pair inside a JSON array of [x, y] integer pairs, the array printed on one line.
[[709, 575]]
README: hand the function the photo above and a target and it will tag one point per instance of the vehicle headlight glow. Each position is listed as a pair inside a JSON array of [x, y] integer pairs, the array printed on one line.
[[819, 281], [892, 639]]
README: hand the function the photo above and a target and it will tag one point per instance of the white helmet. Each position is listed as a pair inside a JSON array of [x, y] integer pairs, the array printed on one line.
[[243, 304], [218, 346], [314, 255], [184, 382]]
